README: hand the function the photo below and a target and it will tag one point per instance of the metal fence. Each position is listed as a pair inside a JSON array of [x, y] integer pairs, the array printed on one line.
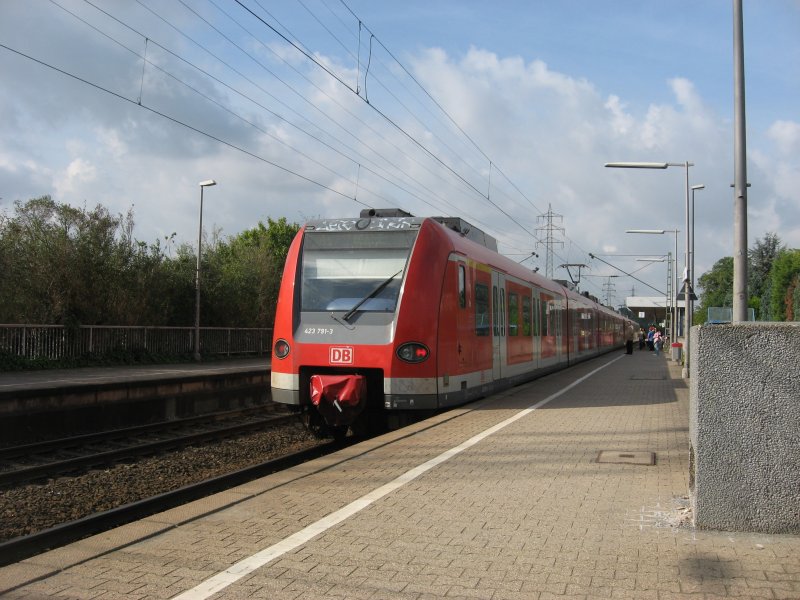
[[724, 314], [58, 342]]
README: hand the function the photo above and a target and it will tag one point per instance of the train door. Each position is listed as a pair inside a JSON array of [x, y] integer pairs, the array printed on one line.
[[562, 330], [499, 349], [536, 307], [464, 325]]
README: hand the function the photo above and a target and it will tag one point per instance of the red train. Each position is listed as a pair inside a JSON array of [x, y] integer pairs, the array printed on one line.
[[390, 313]]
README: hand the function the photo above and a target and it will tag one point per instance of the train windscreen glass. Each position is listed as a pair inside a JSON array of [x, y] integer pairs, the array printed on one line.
[[341, 270]]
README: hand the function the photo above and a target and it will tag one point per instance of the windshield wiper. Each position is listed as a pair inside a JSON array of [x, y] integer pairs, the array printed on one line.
[[372, 294]]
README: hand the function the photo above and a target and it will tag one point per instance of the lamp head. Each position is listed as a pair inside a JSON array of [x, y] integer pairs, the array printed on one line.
[[207, 183], [637, 165]]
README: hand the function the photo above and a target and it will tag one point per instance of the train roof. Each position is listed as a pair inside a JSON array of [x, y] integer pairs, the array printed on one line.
[[457, 224], [394, 219], [373, 219]]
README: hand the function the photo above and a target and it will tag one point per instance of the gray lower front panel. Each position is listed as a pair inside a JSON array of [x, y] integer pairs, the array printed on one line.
[[411, 402], [286, 396]]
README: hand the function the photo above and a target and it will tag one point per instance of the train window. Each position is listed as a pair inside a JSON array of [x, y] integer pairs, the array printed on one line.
[[513, 313], [502, 312], [481, 309], [559, 318], [545, 318], [462, 286], [526, 315], [536, 317], [340, 269]]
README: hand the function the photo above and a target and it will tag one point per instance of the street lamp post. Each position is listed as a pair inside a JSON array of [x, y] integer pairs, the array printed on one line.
[[203, 184], [687, 274], [674, 324], [691, 256]]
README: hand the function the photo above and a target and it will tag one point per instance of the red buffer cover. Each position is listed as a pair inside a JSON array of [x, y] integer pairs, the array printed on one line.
[[339, 398]]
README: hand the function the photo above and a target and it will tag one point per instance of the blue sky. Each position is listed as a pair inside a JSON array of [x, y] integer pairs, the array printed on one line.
[[545, 91]]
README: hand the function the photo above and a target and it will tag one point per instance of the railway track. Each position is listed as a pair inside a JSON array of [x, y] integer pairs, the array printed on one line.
[[22, 547], [41, 460]]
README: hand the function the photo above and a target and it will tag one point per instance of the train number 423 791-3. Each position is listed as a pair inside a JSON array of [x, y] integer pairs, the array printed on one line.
[[318, 331]]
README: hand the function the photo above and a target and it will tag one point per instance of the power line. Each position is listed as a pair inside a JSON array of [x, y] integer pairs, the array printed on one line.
[[626, 273], [179, 122], [394, 124], [291, 88], [550, 229], [277, 115], [308, 54]]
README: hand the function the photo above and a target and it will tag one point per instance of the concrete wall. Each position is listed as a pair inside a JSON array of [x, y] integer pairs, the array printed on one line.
[[745, 427]]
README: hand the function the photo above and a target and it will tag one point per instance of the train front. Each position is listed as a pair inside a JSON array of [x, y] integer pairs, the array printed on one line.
[[335, 326]]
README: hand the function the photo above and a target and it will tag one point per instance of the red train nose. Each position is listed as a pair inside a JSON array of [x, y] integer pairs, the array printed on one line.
[[339, 398]]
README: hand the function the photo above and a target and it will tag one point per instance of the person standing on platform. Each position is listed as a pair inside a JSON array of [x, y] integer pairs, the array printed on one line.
[[650, 333], [641, 338], [658, 342], [629, 338]]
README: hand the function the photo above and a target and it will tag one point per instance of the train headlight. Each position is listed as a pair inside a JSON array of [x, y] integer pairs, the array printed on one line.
[[281, 349], [413, 352]]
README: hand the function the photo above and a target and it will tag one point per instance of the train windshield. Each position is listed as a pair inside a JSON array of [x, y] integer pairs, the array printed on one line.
[[341, 270]]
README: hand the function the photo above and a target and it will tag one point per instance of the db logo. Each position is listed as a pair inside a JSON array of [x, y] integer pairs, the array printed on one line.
[[341, 355]]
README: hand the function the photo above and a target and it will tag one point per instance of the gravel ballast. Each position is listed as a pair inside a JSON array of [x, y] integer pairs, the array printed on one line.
[[30, 508]]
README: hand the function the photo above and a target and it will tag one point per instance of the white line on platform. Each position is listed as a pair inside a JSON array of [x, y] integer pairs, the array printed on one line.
[[246, 566]]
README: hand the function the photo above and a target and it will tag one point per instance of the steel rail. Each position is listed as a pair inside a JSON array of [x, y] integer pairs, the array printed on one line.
[[40, 471], [33, 448], [20, 548]]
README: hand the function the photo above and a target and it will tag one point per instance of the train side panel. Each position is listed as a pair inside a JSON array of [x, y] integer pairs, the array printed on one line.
[[415, 386], [476, 321], [284, 373]]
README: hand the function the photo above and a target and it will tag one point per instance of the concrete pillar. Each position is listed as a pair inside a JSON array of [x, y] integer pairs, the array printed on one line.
[[745, 427]]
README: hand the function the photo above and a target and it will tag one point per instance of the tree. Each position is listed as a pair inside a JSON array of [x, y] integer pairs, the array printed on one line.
[[60, 263], [73, 266], [785, 269], [717, 288], [760, 259], [793, 299], [244, 274]]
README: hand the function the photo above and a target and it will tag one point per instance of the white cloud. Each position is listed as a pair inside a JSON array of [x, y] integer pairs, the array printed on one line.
[[546, 130], [786, 135], [774, 170], [77, 173], [112, 142], [621, 122]]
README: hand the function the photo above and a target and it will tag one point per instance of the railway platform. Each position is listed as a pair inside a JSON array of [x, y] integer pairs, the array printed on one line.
[[572, 486], [60, 401], [15, 381]]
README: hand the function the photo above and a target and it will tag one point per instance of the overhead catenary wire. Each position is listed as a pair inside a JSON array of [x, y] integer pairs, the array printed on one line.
[[389, 120], [497, 187], [238, 92], [356, 184], [363, 158], [515, 221], [456, 124], [206, 96], [291, 88], [296, 45], [177, 122]]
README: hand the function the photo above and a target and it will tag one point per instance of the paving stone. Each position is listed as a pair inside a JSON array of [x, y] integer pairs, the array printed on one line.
[[527, 513]]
